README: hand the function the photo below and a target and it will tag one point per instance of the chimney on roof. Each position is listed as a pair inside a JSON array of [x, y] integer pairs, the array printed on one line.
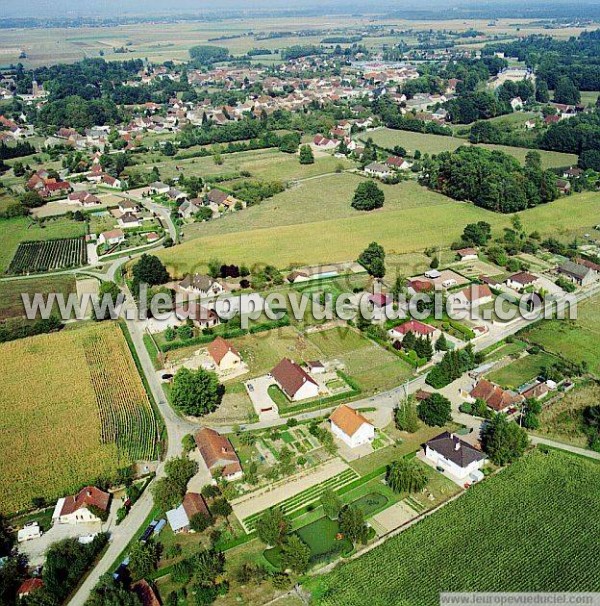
[[89, 493], [457, 445]]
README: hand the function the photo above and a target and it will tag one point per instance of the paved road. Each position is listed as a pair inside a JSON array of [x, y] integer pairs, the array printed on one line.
[[159, 209]]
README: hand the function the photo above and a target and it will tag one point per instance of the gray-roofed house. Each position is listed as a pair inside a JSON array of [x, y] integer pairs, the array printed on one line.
[[454, 455], [579, 274], [198, 284]]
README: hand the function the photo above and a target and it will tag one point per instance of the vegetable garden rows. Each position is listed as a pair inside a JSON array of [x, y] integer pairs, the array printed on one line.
[[49, 255], [306, 496], [533, 527]]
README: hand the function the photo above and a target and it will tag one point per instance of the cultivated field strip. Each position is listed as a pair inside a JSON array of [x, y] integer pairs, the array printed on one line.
[[49, 255], [125, 412], [533, 527], [306, 497]]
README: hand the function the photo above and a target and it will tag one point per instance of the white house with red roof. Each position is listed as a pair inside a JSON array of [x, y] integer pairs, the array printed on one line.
[[294, 381], [82, 508], [224, 354], [419, 329], [351, 427], [471, 297]]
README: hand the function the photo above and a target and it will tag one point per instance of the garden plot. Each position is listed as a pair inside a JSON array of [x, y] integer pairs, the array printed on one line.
[[293, 493]]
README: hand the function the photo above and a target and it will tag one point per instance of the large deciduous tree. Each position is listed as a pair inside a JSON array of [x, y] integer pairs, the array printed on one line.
[[368, 196], [196, 392]]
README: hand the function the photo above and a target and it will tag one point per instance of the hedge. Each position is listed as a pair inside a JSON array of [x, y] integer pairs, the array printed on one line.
[[226, 334]]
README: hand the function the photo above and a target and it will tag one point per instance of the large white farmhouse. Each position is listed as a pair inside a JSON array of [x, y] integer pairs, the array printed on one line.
[[351, 427], [82, 508]]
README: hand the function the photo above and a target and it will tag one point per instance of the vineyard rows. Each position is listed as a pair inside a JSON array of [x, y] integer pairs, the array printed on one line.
[[534, 527], [125, 412], [48, 255]]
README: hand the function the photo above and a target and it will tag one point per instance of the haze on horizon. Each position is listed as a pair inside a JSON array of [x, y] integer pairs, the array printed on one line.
[[119, 8]]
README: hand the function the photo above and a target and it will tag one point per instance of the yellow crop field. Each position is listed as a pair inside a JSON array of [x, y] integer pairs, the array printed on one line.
[[72, 409]]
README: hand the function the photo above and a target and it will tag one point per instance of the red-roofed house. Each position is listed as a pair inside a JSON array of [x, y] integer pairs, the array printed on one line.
[[218, 453], [419, 329], [225, 355], [294, 381], [472, 296], [494, 396], [81, 508], [29, 586], [351, 427]]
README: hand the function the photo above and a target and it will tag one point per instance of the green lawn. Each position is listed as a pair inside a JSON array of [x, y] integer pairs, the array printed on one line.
[[521, 371], [577, 340], [371, 366], [269, 164], [20, 229], [434, 144], [550, 519]]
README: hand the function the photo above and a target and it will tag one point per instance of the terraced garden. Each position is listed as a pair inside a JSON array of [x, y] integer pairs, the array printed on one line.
[[306, 497]]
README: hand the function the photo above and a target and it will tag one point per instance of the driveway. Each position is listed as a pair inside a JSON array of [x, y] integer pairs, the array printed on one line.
[[258, 391]]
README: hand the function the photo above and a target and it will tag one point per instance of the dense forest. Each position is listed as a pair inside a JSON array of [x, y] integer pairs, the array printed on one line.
[[490, 179]]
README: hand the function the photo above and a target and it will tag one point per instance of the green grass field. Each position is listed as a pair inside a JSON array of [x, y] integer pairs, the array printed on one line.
[[521, 371], [11, 304], [578, 340], [532, 527], [374, 368], [268, 164], [563, 420], [314, 223], [20, 229], [434, 144]]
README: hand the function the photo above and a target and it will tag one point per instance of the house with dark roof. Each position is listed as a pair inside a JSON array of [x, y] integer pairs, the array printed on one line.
[[82, 508], [198, 284], [521, 280], [218, 454], [454, 455], [294, 381], [578, 273]]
